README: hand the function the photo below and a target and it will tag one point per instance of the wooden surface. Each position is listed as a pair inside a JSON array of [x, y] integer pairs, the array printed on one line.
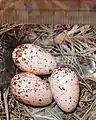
[[48, 11]]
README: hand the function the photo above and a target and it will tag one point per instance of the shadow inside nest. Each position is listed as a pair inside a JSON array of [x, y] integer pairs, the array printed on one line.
[[7, 68]]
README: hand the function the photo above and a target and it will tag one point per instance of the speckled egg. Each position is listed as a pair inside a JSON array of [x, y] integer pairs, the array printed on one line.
[[32, 58], [64, 85], [30, 89]]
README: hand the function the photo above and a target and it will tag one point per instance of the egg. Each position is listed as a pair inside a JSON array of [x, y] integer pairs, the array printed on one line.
[[32, 58], [64, 85], [30, 89]]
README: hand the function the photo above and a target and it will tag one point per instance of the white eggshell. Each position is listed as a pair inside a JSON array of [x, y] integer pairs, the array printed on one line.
[[32, 58], [30, 89], [64, 85]]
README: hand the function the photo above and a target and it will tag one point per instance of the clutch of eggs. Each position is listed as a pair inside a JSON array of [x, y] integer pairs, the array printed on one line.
[[32, 58], [30, 89]]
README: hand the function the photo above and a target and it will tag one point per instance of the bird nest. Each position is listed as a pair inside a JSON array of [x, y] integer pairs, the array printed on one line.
[[73, 45]]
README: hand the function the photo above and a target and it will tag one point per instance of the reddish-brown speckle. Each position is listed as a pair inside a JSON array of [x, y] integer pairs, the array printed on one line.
[[66, 71], [17, 61], [29, 82], [66, 81], [19, 92], [23, 59], [40, 100], [29, 102], [18, 53], [15, 90], [61, 88], [40, 50], [50, 70], [57, 77], [26, 62], [14, 83], [26, 95], [19, 86]]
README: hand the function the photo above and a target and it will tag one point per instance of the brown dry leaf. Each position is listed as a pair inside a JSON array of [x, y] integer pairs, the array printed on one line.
[[60, 38]]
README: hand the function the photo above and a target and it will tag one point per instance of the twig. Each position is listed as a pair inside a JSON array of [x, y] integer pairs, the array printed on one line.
[[9, 28], [44, 117], [53, 114], [86, 115], [87, 51], [67, 117], [5, 94], [86, 85], [1, 102], [28, 111], [76, 116]]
